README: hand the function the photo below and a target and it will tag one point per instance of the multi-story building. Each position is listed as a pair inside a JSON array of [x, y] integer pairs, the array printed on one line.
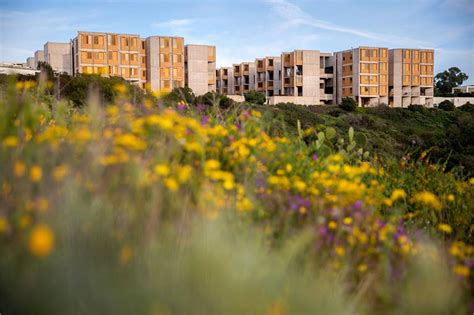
[[362, 74], [39, 57], [108, 54], [268, 74], [225, 81], [411, 77], [463, 89], [30, 62], [58, 56], [244, 77], [306, 77], [165, 62], [200, 65]]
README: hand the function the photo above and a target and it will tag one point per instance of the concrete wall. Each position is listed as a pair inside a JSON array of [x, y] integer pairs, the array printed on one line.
[[311, 73], [39, 56], [153, 62], [457, 101], [199, 69], [302, 100], [30, 62], [237, 98], [58, 55]]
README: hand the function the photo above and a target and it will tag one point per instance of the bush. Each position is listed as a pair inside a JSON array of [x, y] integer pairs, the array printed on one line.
[[225, 102], [417, 108], [348, 104], [447, 105], [179, 94], [468, 107], [255, 97]]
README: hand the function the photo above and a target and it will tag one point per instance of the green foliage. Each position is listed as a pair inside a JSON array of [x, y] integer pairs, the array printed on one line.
[[445, 81], [468, 107], [255, 97], [446, 105], [348, 104], [180, 94]]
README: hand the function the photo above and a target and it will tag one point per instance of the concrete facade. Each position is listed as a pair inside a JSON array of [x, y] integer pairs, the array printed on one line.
[[58, 55], [411, 77], [464, 89], [39, 57], [362, 74], [200, 68], [225, 81], [30, 62], [268, 76], [244, 77]]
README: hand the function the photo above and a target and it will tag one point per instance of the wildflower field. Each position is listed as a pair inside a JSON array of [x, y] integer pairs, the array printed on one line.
[[172, 208]]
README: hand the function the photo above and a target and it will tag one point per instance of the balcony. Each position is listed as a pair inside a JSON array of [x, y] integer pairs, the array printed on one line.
[[288, 82], [299, 80]]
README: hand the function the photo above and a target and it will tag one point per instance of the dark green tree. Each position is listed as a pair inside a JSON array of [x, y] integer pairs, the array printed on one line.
[[255, 97], [348, 104], [447, 105], [445, 81]]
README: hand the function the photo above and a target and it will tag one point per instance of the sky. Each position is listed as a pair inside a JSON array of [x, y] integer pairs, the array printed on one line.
[[245, 30]]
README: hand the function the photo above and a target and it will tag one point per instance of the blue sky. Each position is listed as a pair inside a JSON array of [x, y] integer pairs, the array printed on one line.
[[243, 30]]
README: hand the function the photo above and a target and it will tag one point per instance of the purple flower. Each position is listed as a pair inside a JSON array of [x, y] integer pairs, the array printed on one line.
[[181, 106], [204, 120], [358, 205], [315, 157]]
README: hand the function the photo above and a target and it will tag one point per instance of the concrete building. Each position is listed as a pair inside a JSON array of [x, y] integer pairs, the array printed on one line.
[[362, 74], [268, 75], [165, 62], [58, 56], [16, 68], [463, 89], [200, 67], [244, 77], [30, 62], [39, 57], [225, 81], [411, 77], [109, 54]]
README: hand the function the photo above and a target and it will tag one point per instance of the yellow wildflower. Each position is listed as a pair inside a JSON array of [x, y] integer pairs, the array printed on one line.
[[171, 184], [347, 221], [289, 167], [340, 251], [162, 169], [332, 225], [362, 268], [41, 240], [451, 197], [130, 141], [461, 270], [212, 165], [126, 254], [427, 198], [19, 169], [36, 173], [445, 228], [3, 225], [184, 173], [10, 141], [398, 194], [244, 204], [59, 172]]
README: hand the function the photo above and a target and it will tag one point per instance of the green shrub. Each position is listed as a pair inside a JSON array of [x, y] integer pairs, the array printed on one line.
[[447, 105], [255, 97], [348, 104], [468, 107]]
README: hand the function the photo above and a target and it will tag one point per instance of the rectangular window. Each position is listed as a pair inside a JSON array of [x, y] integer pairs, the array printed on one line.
[[96, 40]]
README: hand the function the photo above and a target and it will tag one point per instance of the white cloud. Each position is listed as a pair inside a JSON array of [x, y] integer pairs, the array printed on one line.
[[173, 23]]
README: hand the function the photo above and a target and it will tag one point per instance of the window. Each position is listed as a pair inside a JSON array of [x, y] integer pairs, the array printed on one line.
[[164, 58], [177, 58], [99, 55], [133, 42], [96, 40], [374, 68], [133, 57], [383, 67], [270, 62], [166, 83], [112, 39], [164, 43], [143, 44], [125, 57], [383, 53], [383, 79], [143, 59]]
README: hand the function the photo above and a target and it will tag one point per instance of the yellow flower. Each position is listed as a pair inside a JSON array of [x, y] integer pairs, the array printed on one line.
[[10, 141], [25, 221], [126, 254], [340, 251], [228, 184], [332, 225], [171, 184], [41, 240], [445, 228], [36, 173], [59, 172], [289, 167], [398, 194], [347, 221], [162, 169], [3, 225], [244, 204], [427, 198], [121, 88], [212, 165], [451, 197], [461, 270], [362, 268], [19, 169], [130, 141], [184, 173]]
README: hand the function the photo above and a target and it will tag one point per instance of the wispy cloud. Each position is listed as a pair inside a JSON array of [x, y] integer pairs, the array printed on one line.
[[173, 23], [295, 16]]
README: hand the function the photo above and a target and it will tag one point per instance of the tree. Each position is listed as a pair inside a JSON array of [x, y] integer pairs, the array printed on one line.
[[447, 105], [445, 81], [348, 104], [255, 97]]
